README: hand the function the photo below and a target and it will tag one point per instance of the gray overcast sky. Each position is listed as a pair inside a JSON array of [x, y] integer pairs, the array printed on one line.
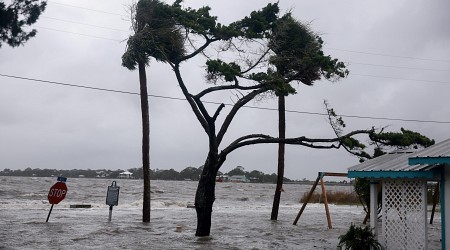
[[400, 72]]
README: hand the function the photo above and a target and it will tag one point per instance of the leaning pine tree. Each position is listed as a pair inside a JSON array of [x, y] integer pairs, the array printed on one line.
[[155, 35], [296, 56]]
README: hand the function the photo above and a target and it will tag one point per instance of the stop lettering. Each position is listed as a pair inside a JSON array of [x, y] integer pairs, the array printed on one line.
[[57, 193]]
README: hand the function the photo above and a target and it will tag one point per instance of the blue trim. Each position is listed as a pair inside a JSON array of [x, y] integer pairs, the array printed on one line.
[[429, 160], [390, 174]]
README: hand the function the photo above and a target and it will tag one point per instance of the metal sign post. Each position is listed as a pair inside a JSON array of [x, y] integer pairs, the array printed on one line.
[[112, 197], [57, 193]]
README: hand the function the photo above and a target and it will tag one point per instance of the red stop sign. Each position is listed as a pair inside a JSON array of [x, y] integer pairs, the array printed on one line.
[[57, 193]]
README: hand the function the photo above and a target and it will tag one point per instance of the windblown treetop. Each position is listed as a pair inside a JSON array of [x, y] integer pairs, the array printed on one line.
[[156, 35], [15, 17]]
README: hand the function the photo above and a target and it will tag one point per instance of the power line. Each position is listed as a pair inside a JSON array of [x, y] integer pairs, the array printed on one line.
[[399, 67], [388, 55], [85, 24], [337, 49], [80, 34], [386, 66], [68, 84], [227, 104], [84, 8], [398, 78]]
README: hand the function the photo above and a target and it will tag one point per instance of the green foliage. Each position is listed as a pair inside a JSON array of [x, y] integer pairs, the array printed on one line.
[[259, 23], [219, 69], [333, 197], [362, 189], [282, 88], [382, 140], [359, 238], [236, 171], [15, 17], [298, 54], [275, 81], [196, 21], [170, 174], [297, 51], [156, 35], [378, 152], [353, 143], [403, 139], [189, 173], [200, 22]]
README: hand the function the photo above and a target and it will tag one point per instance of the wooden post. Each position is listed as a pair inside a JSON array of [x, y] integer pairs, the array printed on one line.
[[435, 200], [325, 201], [373, 206], [335, 174], [307, 198], [367, 216]]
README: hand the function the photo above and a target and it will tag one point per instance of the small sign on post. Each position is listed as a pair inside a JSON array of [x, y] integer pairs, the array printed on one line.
[[57, 193], [112, 197]]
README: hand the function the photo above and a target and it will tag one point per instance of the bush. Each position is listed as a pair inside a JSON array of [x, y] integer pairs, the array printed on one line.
[[359, 238], [338, 197]]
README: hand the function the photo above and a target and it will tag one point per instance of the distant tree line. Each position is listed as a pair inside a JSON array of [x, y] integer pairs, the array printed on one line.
[[73, 173], [189, 173]]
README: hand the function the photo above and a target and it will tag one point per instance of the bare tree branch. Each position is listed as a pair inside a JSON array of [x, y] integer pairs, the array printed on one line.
[[200, 49], [190, 98], [336, 126], [203, 111], [227, 87], [303, 141], [257, 62], [218, 111], [241, 102]]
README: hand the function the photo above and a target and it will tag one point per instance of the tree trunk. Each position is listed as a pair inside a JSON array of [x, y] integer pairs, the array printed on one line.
[[205, 196], [281, 146], [145, 142]]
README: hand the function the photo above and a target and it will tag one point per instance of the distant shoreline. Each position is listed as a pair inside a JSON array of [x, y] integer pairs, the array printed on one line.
[[238, 174], [310, 183]]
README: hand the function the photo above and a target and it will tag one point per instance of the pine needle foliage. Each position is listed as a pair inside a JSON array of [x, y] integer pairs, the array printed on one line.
[[156, 35], [15, 17]]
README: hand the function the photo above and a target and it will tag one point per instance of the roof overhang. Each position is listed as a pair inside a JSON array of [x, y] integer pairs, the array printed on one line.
[[391, 174]]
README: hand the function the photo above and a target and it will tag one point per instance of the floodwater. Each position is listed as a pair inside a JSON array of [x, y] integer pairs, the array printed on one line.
[[241, 217]]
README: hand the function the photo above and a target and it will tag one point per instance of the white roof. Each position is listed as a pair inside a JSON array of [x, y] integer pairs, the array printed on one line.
[[398, 160]]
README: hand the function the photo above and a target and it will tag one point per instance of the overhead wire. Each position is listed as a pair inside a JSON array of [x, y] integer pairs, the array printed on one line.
[[219, 103], [399, 78], [398, 67], [356, 74], [331, 48], [359, 63], [292, 111], [85, 24], [84, 8], [80, 34], [390, 55]]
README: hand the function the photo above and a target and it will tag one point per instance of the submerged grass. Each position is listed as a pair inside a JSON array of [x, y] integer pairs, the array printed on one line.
[[333, 197]]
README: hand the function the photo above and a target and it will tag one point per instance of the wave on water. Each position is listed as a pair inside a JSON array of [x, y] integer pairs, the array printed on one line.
[[240, 219]]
